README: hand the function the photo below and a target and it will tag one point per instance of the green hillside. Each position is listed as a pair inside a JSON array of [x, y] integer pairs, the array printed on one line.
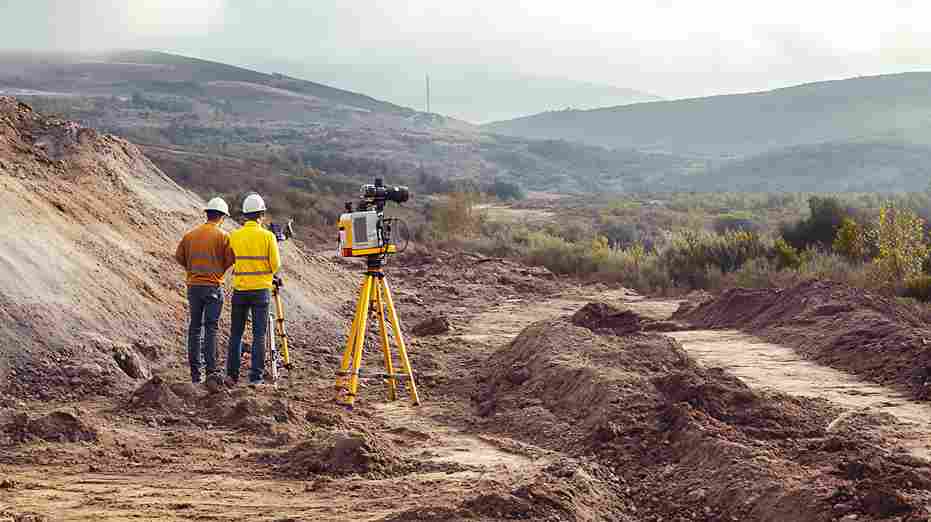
[[880, 107], [125, 72], [826, 167]]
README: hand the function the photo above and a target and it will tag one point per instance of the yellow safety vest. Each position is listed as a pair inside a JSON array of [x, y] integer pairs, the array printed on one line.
[[257, 259]]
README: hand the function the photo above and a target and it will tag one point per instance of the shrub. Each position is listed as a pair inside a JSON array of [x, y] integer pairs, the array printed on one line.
[[619, 233], [506, 190], [851, 240], [560, 256], [918, 287], [757, 273], [899, 237], [833, 267], [456, 216], [735, 222], [820, 228], [785, 255], [690, 254]]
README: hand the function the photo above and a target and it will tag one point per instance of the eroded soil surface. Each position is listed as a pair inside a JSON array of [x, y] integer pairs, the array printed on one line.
[[532, 410]]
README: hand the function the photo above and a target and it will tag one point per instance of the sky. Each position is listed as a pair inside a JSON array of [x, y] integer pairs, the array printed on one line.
[[669, 48]]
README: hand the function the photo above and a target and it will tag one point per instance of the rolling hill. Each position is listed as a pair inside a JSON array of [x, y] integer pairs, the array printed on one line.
[[823, 167], [879, 108], [470, 93], [126, 72], [214, 127], [217, 128]]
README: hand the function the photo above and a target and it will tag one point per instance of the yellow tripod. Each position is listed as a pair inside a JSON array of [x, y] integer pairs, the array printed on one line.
[[375, 293]]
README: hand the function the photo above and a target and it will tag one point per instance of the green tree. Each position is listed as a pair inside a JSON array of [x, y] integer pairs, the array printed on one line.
[[820, 228], [899, 239], [850, 241]]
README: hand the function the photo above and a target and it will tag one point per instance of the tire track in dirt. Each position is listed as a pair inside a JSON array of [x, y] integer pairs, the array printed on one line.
[[766, 365]]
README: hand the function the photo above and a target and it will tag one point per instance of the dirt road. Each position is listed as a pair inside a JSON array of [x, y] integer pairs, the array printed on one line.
[[768, 365]]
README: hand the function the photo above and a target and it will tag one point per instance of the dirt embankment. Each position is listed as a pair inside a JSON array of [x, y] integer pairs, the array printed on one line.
[[456, 284], [91, 300], [690, 443], [852, 329]]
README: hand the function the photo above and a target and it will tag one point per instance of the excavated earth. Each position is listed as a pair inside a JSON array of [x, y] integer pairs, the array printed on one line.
[[541, 400], [869, 335], [90, 297]]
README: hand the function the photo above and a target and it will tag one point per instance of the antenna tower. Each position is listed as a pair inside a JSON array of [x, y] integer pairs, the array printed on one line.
[[428, 94]]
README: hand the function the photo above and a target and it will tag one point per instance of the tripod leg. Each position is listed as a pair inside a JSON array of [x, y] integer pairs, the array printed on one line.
[[399, 338], [342, 377], [359, 339], [271, 352], [385, 347], [280, 330]]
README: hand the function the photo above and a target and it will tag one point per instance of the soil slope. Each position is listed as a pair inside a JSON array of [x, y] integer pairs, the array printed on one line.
[[87, 232], [847, 328], [691, 443]]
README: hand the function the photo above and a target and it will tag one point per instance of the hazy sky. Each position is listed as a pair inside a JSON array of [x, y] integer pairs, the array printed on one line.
[[666, 47]]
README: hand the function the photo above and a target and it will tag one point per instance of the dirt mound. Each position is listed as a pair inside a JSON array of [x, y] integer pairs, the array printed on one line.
[[255, 415], [341, 453], [849, 328], [155, 394], [568, 489], [87, 235], [691, 443], [58, 426], [432, 326], [604, 318], [448, 282]]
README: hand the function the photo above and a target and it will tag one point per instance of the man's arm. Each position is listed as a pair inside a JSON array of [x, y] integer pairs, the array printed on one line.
[[181, 252], [229, 257], [274, 260]]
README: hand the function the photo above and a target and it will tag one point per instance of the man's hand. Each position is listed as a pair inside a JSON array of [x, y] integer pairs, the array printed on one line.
[[276, 280]]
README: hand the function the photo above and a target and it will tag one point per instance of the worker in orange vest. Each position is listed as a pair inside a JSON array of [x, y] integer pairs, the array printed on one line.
[[205, 253]]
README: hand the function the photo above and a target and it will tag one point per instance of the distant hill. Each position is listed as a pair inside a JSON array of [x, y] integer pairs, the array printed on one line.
[[824, 167], [213, 127], [890, 107], [472, 94], [125, 72]]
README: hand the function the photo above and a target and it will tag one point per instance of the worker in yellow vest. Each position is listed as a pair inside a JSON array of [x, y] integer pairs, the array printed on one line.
[[257, 262]]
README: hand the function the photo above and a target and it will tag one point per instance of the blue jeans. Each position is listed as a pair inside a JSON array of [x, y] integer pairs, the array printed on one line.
[[206, 303], [256, 301]]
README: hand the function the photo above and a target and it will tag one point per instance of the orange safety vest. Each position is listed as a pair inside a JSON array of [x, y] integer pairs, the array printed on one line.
[[206, 255]]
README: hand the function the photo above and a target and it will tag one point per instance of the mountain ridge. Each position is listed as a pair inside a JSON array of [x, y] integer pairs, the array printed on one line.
[[743, 124]]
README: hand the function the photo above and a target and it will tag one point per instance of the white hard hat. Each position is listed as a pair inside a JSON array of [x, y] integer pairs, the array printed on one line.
[[253, 203], [219, 205]]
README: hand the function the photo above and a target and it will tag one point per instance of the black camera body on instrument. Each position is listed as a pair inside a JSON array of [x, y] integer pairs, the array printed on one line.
[[364, 230], [377, 194]]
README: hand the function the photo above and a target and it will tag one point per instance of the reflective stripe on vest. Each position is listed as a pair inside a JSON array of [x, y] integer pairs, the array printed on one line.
[[204, 257], [210, 269], [267, 272], [254, 258]]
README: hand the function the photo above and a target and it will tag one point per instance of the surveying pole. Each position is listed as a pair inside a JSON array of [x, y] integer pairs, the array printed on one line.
[[375, 295]]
